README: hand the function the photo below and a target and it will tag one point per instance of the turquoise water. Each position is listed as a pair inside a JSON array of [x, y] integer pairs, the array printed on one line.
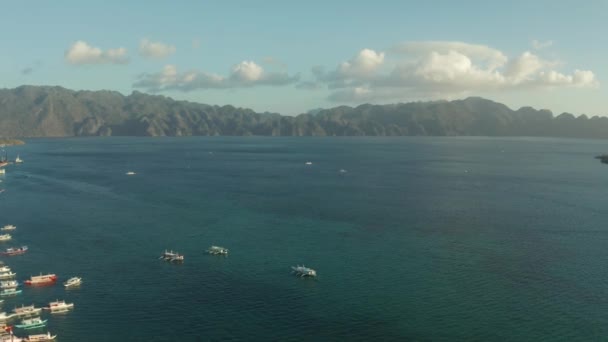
[[422, 239]]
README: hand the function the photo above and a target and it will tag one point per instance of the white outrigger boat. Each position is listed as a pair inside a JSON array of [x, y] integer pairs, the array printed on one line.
[[9, 284], [32, 323], [73, 282], [217, 250], [40, 338], [5, 317], [303, 271], [25, 311], [5, 237], [59, 306], [172, 256], [8, 227], [7, 275]]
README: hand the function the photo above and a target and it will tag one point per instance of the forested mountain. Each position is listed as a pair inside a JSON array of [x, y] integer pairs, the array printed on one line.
[[44, 111]]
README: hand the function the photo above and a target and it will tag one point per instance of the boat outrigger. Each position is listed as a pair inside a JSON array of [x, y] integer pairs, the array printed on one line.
[[14, 251], [172, 256], [217, 250], [40, 338], [303, 271]]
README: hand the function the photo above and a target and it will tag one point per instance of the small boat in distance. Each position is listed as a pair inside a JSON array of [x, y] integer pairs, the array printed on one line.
[[32, 323], [2, 171], [5, 237], [46, 279], [308, 163], [172, 256], [8, 227], [303, 271], [130, 173], [40, 338], [217, 250], [14, 251], [59, 306], [73, 282], [18, 160]]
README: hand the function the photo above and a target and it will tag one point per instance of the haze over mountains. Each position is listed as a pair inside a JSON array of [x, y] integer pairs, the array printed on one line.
[[46, 111]]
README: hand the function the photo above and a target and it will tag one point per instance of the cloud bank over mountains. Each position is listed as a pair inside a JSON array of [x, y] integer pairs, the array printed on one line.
[[427, 69]]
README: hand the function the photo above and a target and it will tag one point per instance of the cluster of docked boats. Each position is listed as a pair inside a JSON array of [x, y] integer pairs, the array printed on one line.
[[27, 317]]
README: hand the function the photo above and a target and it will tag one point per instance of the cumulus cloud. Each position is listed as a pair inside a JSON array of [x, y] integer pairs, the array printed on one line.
[[82, 53], [243, 74], [157, 50], [441, 69], [538, 45]]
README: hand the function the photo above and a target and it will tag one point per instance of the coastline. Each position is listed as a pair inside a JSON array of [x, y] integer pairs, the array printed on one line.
[[11, 142]]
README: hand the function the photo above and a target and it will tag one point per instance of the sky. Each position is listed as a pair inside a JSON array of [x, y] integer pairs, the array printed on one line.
[[293, 56]]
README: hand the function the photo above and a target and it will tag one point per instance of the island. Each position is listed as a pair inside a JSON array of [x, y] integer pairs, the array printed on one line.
[[11, 142]]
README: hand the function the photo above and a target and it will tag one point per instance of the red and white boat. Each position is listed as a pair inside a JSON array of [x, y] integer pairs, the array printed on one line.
[[46, 279], [14, 251]]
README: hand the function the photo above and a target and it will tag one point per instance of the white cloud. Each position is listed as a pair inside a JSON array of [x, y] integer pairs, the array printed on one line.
[[244, 74], [364, 63], [442, 69], [247, 71], [538, 45], [490, 57], [82, 53], [157, 50]]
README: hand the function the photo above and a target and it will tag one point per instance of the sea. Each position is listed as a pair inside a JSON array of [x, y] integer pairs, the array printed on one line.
[[413, 239]]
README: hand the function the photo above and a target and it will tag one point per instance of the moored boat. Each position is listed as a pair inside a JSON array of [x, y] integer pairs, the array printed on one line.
[[15, 251], [304, 271], [25, 311], [46, 279], [18, 160], [40, 337], [4, 269], [9, 284], [73, 282], [217, 250], [8, 227], [172, 256], [9, 292], [32, 323], [59, 306], [7, 275], [5, 237], [5, 317]]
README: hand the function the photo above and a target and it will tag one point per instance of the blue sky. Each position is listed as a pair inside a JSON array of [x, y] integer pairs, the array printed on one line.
[[289, 57]]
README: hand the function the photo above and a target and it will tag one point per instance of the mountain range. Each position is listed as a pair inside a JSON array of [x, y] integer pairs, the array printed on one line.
[[52, 111]]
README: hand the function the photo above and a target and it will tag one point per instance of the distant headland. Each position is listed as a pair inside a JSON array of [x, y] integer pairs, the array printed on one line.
[[10, 142], [52, 111]]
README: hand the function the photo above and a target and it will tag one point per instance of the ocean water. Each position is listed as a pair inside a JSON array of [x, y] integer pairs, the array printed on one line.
[[422, 239]]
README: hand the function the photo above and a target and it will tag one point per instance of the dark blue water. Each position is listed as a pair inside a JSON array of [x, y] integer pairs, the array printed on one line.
[[422, 239]]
